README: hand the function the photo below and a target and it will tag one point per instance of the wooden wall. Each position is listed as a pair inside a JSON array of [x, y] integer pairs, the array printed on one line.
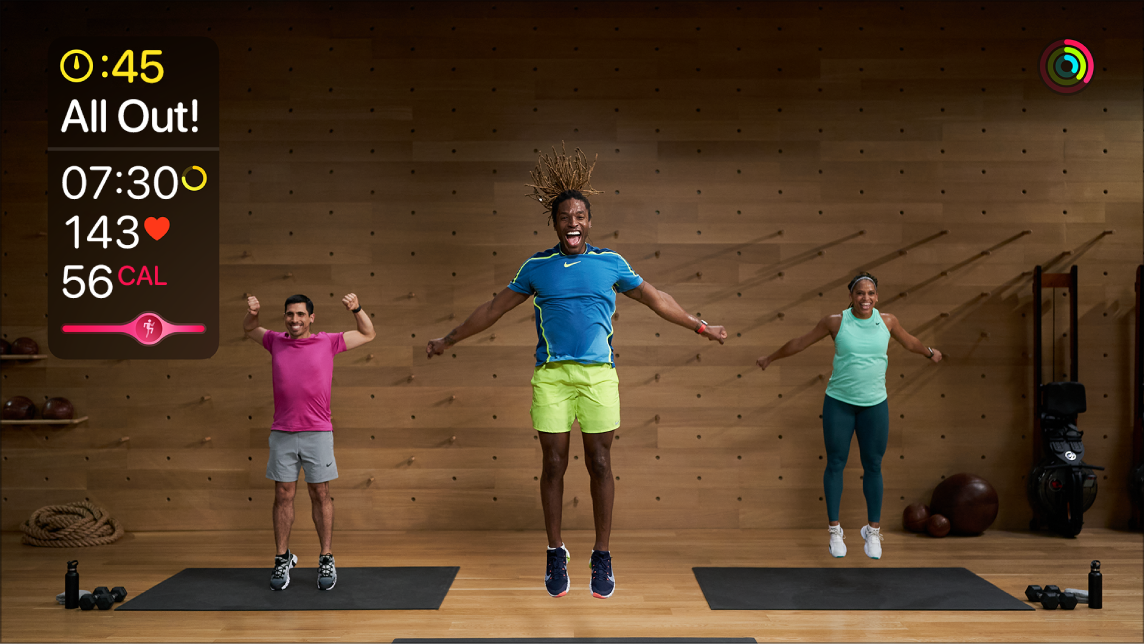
[[753, 156]]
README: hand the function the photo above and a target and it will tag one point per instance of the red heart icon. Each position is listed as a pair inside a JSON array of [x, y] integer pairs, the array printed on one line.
[[156, 228]]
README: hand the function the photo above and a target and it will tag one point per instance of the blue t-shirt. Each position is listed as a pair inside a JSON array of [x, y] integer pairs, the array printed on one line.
[[575, 300]]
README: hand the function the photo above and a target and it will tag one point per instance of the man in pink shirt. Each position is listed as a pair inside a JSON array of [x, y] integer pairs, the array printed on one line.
[[302, 434]]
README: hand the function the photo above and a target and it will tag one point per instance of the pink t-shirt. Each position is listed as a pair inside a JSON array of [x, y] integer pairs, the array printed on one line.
[[303, 372]]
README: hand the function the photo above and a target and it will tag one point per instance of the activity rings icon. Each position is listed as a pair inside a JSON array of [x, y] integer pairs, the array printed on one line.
[[183, 178], [1066, 66]]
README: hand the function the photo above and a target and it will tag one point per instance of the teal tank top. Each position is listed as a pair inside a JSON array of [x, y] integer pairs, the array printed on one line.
[[860, 360]]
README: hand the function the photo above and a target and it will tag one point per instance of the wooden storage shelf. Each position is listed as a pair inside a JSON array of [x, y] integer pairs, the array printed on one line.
[[67, 421], [36, 356]]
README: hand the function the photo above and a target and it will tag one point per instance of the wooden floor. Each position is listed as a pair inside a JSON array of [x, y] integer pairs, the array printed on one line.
[[499, 590]]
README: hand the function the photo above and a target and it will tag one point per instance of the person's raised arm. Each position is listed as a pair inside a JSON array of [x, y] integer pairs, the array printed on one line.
[[250, 324], [908, 341], [820, 331], [364, 332], [485, 316], [667, 308]]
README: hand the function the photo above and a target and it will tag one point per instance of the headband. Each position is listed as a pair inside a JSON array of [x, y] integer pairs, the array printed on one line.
[[854, 282]]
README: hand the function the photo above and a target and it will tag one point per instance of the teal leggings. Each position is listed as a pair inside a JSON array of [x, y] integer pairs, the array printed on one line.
[[840, 421]]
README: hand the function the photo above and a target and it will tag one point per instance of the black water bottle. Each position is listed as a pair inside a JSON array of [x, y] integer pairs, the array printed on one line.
[[1095, 584], [71, 586]]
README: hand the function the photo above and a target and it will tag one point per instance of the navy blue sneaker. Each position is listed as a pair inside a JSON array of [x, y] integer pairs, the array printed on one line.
[[556, 572], [603, 583]]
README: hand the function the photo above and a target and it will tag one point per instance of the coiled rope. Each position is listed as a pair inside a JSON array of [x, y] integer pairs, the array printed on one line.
[[71, 525]]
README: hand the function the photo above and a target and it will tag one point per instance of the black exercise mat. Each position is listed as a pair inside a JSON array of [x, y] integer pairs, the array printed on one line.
[[851, 589], [578, 640], [413, 588]]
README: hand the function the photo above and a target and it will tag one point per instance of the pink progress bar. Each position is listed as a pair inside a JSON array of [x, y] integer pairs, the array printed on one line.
[[147, 329]]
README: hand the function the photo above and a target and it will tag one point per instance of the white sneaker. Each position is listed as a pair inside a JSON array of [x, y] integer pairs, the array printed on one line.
[[837, 548], [873, 538]]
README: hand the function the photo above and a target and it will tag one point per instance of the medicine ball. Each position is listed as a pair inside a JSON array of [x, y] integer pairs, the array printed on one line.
[[968, 501], [5, 348], [58, 409], [937, 526], [915, 516], [25, 347], [19, 408]]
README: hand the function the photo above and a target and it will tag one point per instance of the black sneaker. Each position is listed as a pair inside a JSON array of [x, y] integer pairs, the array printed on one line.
[[603, 583], [556, 573], [280, 579], [327, 573]]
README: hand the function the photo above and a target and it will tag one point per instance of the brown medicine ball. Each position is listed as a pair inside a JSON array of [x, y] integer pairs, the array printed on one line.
[[19, 408], [58, 409], [969, 502], [5, 348], [25, 347], [915, 516], [937, 526]]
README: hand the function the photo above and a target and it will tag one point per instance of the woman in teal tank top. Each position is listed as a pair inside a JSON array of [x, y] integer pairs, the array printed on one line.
[[855, 401]]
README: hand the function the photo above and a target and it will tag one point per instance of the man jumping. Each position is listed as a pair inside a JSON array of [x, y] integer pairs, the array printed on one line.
[[302, 436], [575, 287]]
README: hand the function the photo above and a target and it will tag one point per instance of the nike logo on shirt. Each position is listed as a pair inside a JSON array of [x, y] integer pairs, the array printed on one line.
[[566, 264]]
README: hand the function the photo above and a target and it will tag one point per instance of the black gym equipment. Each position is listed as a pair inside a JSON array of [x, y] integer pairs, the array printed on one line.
[[87, 602], [1136, 476], [1061, 486], [1033, 592], [248, 589], [102, 598], [835, 589], [1068, 601]]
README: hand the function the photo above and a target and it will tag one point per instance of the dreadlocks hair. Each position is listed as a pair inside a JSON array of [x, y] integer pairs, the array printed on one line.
[[858, 278], [560, 177]]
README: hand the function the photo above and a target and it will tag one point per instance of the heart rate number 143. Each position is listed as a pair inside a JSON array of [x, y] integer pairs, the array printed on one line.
[[98, 234]]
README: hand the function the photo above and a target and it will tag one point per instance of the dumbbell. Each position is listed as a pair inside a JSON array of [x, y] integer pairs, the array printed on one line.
[[103, 598], [118, 594], [1033, 592], [1068, 601], [1050, 599], [87, 602]]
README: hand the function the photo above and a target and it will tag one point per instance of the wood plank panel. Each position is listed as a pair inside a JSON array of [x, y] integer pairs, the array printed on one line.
[[383, 149]]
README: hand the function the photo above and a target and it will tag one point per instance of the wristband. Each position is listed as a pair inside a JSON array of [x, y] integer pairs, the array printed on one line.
[[930, 351], [357, 309], [702, 327]]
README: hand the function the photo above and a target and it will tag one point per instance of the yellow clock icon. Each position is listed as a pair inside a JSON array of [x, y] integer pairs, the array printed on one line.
[[75, 65]]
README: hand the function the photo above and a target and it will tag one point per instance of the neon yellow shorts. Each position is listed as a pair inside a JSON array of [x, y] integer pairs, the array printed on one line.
[[566, 391]]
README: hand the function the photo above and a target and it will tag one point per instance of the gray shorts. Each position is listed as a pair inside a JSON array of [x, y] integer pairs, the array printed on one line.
[[292, 451]]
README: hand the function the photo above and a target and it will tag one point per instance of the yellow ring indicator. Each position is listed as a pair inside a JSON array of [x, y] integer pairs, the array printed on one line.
[[186, 185], [64, 60]]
